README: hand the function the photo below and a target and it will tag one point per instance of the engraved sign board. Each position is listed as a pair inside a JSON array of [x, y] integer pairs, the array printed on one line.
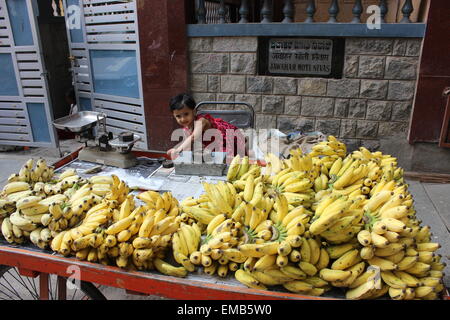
[[309, 57], [303, 56]]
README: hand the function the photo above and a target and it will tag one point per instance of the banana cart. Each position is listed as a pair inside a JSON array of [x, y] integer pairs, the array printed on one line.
[[28, 272]]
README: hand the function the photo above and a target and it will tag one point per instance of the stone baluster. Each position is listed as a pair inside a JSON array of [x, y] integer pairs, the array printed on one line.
[[333, 11], [383, 10], [310, 11], [288, 11], [55, 8], [407, 10], [244, 11], [201, 12], [266, 12], [222, 11], [357, 10]]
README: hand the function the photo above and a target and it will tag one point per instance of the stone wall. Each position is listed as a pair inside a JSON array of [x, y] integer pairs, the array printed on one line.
[[372, 101]]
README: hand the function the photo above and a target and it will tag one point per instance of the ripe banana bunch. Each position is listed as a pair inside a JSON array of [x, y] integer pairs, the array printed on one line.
[[133, 236], [28, 174], [394, 241], [337, 218], [299, 161], [60, 217], [15, 187], [304, 266], [67, 181], [293, 263], [119, 189], [220, 198], [331, 147], [8, 233], [294, 181], [185, 242], [296, 186], [17, 227], [240, 168], [350, 177], [274, 164], [198, 212], [218, 252], [383, 166]]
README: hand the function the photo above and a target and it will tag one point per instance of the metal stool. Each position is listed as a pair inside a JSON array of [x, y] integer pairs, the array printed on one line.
[[242, 119]]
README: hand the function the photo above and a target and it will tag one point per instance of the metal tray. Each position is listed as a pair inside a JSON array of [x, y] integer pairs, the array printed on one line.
[[79, 121]]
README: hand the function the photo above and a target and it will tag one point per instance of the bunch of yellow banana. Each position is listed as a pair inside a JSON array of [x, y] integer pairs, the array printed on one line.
[[241, 167], [294, 181], [220, 198], [299, 161], [121, 233], [41, 173], [200, 213], [331, 147], [15, 187], [304, 266], [12, 233], [291, 277], [218, 253], [274, 164], [296, 186], [185, 242], [148, 229], [68, 179], [382, 165], [350, 178], [20, 226], [271, 264], [60, 217], [394, 242], [337, 218]]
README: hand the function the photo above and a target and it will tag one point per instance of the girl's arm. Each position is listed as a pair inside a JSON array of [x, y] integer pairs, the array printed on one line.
[[199, 126]]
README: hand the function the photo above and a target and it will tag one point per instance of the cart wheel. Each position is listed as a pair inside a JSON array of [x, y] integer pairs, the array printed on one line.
[[14, 286]]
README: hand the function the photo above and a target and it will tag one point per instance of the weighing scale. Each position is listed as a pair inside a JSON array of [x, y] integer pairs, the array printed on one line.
[[104, 148]]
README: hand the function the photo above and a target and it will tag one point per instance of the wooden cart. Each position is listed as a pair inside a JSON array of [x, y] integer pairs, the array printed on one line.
[[30, 266], [33, 267]]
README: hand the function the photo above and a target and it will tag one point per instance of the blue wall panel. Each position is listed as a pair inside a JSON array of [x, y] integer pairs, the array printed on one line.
[[38, 120], [20, 22], [8, 79]]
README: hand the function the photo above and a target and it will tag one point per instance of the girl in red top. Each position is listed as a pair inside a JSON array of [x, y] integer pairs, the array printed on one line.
[[183, 110]]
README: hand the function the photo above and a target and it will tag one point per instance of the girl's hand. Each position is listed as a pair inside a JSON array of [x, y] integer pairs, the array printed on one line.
[[173, 153]]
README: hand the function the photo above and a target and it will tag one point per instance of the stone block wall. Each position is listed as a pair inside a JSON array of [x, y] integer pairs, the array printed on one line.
[[372, 101]]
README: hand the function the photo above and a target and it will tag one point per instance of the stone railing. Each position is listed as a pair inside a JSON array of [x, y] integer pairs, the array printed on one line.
[[397, 18], [219, 10]]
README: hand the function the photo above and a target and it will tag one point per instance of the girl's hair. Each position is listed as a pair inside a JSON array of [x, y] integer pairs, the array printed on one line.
[[180, 101]]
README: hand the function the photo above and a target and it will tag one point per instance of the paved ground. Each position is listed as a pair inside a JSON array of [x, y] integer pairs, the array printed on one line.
[[432, 203]]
